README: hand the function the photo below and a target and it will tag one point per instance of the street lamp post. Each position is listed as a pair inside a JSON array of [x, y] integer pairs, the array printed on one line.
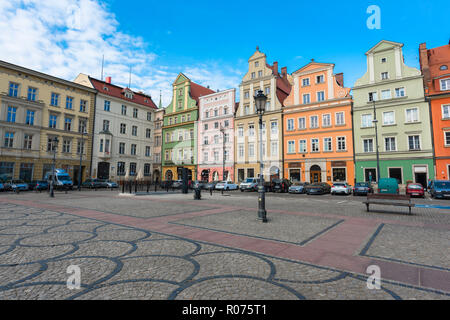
[[52, 183], [80, 174], [260, 102], [375, 121], [222, 130]]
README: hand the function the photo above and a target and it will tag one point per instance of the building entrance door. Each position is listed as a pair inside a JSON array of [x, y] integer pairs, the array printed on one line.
[[421, 178], [315, 174], [103, 170]]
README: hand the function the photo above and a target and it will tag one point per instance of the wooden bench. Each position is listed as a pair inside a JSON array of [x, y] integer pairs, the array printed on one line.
[[393, 200]]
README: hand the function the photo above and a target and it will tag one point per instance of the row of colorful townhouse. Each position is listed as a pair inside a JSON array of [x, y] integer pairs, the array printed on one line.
[[315, 129]]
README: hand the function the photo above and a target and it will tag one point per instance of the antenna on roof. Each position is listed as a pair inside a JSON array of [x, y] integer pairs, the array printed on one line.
[[129, 82], [103, 62]]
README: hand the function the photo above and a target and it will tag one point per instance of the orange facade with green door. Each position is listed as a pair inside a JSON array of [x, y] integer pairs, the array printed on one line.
[[318, 139]]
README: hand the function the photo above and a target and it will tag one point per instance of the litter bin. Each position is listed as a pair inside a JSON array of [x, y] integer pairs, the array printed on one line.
[[197, 193]]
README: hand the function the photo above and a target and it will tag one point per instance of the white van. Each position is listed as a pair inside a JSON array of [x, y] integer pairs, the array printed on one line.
[[62, 179]]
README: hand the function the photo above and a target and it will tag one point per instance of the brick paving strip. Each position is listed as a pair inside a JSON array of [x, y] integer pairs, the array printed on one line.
[[338, 248]]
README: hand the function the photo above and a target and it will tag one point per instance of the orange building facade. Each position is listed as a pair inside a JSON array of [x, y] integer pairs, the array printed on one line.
[[435, 66], [318, 139]]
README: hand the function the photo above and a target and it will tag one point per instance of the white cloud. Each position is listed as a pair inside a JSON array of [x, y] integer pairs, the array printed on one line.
[[66, 37]]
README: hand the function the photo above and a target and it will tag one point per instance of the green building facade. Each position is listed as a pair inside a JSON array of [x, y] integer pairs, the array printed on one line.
[[179, 132], [395, 92]]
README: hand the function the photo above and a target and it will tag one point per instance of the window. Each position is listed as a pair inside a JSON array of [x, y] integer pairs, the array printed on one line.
[[385, 94], [69, 103], [66, 146], [260, 74], [240, 132], [216, 156], [274, 148], [132, 168], [443, 67], [170, 121], [320, 96], [388, 118], [370, 174], [256, 64], [291, 146], [27, 141], [107, 106], [251, 150], [175, 120], [148, 133], [149, 116], [148, 151], [9, 139], [246, 95], [414, 142], [339, 175], [250, 173], [168, 137], [241, 151], [445, 84], [251, 130], [446, 111], [146, 169], [341, 144], [30, 118], [326, 120], [183, 118], [124, 110], [11, 116], [302, 146], [399, 92], [167, 155], [383, 60], [227, 137], [274, 128], [205, 141], [55, 99], [305, 82], [216, 139], [123, 128], [101, 146], [302, 123], [389, 144], [133, 149], [107, 141], [306, 98], [314, 145], [105, 125], [32, 93], [447, 138], [205, 156], [135, 112], [225, 110], [205, 127], [121, 148], [253, 75], [267, 90], [67, 124], [368, 145], [226, 123], [314, 122], [226, 155], [52, 121], [80, 147], [373, 96], [13, 89], [412, 115], [157, 141], [134, 130], [267, 106], [82, 126], [340, 119], [320, 79], [51, 146], [290, 124], [83, 106], [384, 75], [366, 120], [246, 110], [216, 125], [191, 134], [327, 145]]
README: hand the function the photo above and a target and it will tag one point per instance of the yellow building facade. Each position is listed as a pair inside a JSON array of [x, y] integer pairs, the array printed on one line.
[[34, 109]]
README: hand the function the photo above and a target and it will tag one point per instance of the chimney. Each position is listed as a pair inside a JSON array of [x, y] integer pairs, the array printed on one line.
[[340, 79], [275, 68], [108, 80], [424, 64], [284, 72]]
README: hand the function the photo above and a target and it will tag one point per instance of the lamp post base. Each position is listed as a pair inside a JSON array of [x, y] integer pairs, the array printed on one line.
[[262, 213]]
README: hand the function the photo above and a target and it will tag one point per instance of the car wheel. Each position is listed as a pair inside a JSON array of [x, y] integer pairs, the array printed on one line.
[[242, 190]]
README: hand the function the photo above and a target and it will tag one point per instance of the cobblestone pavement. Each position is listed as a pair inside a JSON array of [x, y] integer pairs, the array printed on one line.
[[136, 248]]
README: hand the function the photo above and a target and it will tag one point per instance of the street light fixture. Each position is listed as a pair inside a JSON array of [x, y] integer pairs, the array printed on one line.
[[260, 102], [375, 121], [52, 183]]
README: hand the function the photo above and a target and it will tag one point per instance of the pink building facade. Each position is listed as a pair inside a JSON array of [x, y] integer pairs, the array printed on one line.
[[216, 136]]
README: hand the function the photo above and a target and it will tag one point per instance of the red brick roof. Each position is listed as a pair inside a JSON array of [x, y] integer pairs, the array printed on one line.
[[197, 91], [119, 92]]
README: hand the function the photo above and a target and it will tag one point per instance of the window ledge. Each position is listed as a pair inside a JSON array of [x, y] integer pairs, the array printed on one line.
[[368, 127], [416, 122], [389, 125]]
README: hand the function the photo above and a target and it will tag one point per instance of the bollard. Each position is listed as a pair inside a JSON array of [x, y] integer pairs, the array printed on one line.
[[197, 193], [123, 186], [210, 191], [135, 187]]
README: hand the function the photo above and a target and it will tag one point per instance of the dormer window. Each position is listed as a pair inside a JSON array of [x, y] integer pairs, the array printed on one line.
[[105, 88], [443, 67], [383, 60], [129, 94]]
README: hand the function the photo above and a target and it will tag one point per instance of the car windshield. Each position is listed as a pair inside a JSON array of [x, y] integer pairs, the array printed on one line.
[[249, 180], [415, 186], [361, 184], [17, 181], [298, 184], [339, 184], [443, 184], [64, 177]]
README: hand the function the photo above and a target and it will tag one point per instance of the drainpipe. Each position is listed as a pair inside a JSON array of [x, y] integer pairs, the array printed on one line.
[[92, 134], [353, 142], [428, 99]]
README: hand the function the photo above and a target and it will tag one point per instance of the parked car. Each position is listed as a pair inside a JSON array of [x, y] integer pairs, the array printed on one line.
[[62, 179], [39, 185], [318, 188], [166, 184], [388, 185], [440, 189], [341, 188], [109, 184], [2, 187], [281, 185], [249, 184], [92, 183], [298, 187], [226, 185], [415, 190], [201, 184], [17, 184], [362, 188], [177, 184], [211, 185]]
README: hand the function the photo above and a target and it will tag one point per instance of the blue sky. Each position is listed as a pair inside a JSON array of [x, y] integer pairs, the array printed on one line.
[[210, 41]]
